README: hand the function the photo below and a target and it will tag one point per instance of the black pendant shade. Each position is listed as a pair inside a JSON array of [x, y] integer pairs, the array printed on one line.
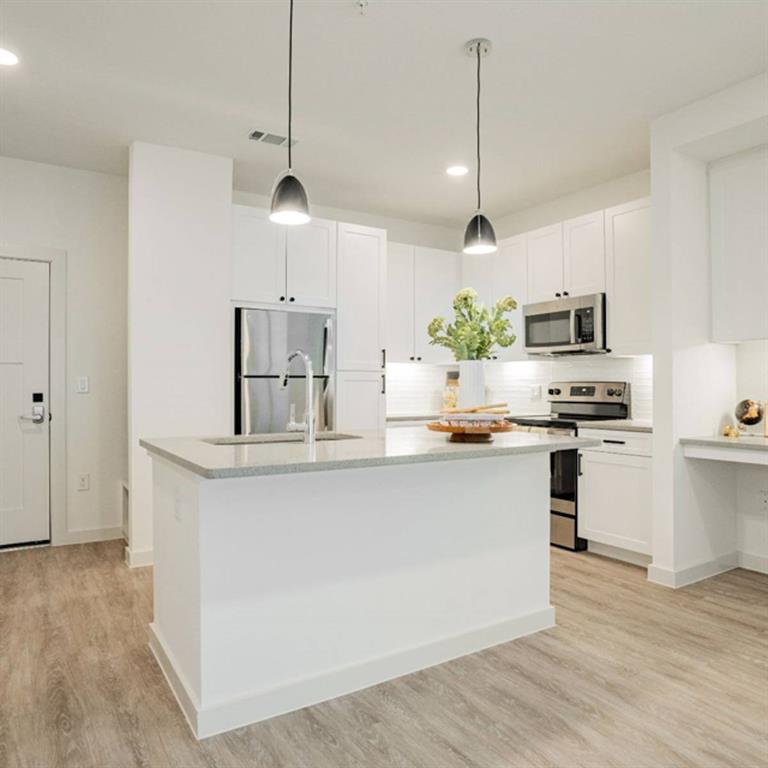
[[289, 201], [479, 236]]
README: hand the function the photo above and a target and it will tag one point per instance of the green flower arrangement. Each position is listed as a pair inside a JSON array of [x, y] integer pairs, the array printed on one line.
[[476, 329]]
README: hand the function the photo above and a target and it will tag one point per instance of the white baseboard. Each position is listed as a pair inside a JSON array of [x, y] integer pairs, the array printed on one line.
[[686, 576], [88, 535], [617, 553], [753, 562], [187, 701], [234, 713], [138, 558]]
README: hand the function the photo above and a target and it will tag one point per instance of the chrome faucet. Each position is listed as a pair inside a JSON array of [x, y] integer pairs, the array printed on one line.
[[309, 407]]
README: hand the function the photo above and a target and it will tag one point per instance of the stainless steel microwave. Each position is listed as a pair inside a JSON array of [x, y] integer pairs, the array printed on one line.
[[574, 325]]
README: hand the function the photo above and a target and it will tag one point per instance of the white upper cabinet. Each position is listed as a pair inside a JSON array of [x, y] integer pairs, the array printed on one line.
[[311, 264], [503, 273], [361, 398], [545, 264], [628, 277], [400, 303], [584, 255], [436, 281], [510, 277], [361, 297], [258, 257], [274, 264], [477, 272], [738, 190]]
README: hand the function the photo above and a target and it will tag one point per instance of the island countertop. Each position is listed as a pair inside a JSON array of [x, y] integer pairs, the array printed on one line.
[[405, 445]]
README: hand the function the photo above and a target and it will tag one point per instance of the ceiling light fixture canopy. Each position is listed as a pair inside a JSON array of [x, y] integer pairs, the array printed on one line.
[[8, 58], [479, 236], [289, 198]]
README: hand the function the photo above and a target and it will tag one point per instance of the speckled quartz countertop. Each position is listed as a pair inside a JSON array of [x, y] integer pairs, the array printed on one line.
[[744, 443], [624, 425], [404, 445]]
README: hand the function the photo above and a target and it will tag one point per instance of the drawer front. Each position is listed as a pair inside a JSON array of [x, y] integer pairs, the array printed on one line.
[[562, 531], [615, 441]]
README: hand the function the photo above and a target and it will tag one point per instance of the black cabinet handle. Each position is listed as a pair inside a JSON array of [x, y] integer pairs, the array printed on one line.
[[292, 299], [383, 383], [282, 298], [615, 442], [578, 466], [383, 358]]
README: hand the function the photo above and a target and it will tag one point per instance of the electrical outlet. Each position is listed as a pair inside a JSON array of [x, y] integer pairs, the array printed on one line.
[[84, 481], [764, 498], [83, 385]]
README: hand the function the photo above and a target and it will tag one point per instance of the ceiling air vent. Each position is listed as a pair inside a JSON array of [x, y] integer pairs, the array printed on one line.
[[271, 138]]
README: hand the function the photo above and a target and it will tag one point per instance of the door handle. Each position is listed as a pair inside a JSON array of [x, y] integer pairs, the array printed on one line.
[[383, 384], [38, 415], [383, 358]]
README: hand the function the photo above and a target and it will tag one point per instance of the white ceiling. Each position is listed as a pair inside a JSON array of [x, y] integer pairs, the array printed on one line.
[[383, 101]]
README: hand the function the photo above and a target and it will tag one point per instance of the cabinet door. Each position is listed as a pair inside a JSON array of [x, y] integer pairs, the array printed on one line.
[[400, 298], [615, 500], [584, 255], [738, 204], [361, 296], [436, 281], [258, 257], [628, 271], [311, 264], [510, 274], [360, 401], [477, 272], [545, 263]]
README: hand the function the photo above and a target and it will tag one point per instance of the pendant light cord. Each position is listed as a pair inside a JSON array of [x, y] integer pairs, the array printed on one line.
[[290, 82], [477, 124]]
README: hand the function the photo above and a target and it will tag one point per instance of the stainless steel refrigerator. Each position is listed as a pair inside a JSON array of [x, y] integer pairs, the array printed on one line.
[[263, 340]]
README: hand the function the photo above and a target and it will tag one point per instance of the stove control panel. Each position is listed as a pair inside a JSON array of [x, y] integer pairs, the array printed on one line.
[[588, 392]]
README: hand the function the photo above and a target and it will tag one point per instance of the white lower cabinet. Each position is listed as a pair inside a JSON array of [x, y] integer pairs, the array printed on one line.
[[615, 497], [361, 401]]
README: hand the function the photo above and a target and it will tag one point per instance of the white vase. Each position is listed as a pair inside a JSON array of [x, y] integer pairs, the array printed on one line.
[[471, 383]]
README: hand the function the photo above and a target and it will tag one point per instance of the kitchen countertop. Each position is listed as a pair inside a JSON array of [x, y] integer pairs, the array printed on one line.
[[624, 425], [744, 443], [403, 445]]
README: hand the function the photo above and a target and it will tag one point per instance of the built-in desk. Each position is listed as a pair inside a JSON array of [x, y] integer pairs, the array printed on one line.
[[747, 449]]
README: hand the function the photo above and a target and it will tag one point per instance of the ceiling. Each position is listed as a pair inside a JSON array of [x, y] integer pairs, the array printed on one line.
[[383, 101]]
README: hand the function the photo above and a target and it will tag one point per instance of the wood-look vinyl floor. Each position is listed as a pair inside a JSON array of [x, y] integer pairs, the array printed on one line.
[[634, 675]]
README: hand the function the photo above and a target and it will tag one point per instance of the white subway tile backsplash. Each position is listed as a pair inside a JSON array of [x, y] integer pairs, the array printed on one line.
[[416, 389]]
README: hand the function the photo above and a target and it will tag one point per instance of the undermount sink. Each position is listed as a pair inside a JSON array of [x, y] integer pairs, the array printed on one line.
[[280, 437]]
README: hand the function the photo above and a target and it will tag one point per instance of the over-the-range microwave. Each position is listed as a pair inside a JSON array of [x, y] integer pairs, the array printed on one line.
[[567, 326]]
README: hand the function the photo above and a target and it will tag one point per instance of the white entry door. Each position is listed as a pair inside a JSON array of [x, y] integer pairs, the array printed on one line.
[[24, 427]]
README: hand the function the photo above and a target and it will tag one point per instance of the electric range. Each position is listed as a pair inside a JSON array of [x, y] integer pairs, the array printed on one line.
[[572, 402]]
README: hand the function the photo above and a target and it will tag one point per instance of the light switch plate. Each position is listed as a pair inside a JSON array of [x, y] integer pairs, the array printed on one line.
[[84, 482], [83, 385]]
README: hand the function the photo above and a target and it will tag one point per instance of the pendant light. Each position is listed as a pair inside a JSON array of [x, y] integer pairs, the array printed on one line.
[[289, 199], [479, 236]]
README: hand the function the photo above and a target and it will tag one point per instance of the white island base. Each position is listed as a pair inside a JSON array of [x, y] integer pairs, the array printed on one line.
[[274, 592]]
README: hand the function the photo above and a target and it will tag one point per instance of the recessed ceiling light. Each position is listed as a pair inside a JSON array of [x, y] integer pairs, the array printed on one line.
[[457, 170], [8, 58]]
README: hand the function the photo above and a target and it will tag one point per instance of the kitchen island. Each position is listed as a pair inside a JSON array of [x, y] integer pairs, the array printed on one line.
[[287, 574]]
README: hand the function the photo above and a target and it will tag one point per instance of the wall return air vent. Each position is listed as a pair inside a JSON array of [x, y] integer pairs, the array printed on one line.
[[264, 137]]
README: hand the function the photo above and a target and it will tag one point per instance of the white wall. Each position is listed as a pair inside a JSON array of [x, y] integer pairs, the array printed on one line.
[[398, 230], [84, 214], [178, 310], [694, 380], [613, 192]]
